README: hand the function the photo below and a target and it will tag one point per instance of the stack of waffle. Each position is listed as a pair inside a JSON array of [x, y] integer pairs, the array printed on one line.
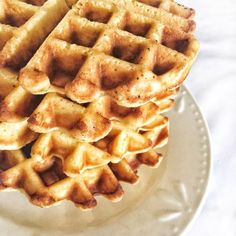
[[82, 92]]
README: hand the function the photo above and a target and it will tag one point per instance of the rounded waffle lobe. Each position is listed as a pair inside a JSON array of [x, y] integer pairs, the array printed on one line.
[[14, 135], [8, 81], [122, 140]]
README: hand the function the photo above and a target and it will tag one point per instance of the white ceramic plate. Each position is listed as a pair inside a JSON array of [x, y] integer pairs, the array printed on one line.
[[163, 203]]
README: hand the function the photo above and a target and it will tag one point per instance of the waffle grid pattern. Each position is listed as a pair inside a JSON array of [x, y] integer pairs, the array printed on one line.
[[82, 98], [109, 60]]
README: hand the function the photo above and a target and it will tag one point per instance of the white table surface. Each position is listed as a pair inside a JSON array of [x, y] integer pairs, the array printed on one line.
[[213, 83]]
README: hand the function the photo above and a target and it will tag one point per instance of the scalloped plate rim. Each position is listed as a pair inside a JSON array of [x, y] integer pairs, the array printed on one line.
[[210, 170]]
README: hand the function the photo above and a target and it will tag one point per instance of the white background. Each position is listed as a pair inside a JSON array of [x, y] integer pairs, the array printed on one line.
[[213, 82]]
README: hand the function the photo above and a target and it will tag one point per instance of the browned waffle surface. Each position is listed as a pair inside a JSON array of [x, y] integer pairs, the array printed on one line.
[[119, 143], [8, 159], [8, 81], [101, 48], [23, 115], [85, 111], [157, 9], [172, 7], [46, 184], [15, 135], [23, 27]]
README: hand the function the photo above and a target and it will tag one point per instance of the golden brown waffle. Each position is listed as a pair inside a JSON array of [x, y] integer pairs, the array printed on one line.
[[9, 159], [78, 156], [157, 9], [70, 3], [14, 131], [81, 121], [119, 143], [51, 113], [22, 115], [8, 80], [122, 141], [18, 104], [46, 184], [15, 135], [138, 116], [23, 27], [58, 113], [89, 101], [106, 47]]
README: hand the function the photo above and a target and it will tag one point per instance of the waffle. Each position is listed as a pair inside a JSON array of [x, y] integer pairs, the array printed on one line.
[[23, 115], [17, 104], [70, 3], [15, 135], [94, 119], [172, 7], [120, 142], [8, 81], [14, 131], [181, 16], [58, 113], [24, 26], [46, 184], [9, 159], [138, 116], [81, 101], [112, 48]]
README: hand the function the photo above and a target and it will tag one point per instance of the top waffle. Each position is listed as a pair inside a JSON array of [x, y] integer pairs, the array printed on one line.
[[114, 48]]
